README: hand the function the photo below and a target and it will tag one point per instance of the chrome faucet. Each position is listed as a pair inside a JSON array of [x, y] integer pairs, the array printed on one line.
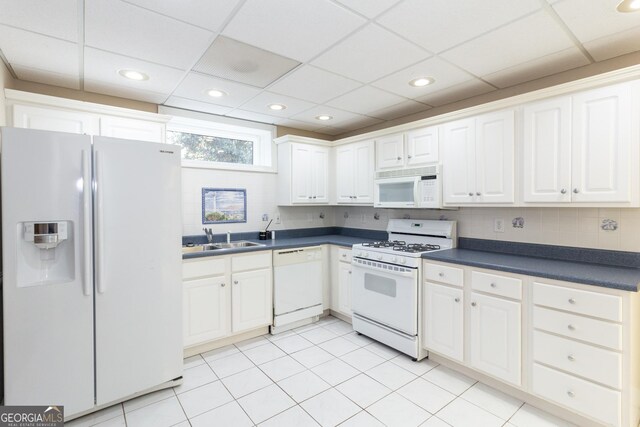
[[228, 237], [209, 234]]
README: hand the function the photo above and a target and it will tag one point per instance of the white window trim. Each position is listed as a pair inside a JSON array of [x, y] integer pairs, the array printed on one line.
[[262, 135]]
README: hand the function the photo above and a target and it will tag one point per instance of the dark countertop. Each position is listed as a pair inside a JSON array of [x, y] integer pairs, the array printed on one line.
[[284, 243], [608, 276]]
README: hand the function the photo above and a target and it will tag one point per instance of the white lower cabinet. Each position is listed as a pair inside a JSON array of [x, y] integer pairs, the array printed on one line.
[[225, 295], [341, 280], [582, 345], [495, 337], [344, 288], [443, 320]]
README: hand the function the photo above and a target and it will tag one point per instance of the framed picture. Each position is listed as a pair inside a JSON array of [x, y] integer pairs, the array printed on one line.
[[224, 205]]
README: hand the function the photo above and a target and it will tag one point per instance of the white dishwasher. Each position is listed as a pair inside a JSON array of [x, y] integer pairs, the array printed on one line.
[[297, 286]]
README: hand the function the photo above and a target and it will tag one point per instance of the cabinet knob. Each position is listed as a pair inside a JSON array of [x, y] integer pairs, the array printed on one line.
[[470, 194], [473, 304], [235, 282], [222, 285], [441, 274], [478, 193], [456, 299], [571, 394], [493, 285], [344, 255], [349, 271], [399, 158], [314, 197], [571, 327], [572, 301], [409, 156], [576, 191], [571, 358], [310, 197], [563, 191]]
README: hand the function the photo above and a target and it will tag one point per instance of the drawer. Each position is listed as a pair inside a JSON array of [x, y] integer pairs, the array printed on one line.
[[582, 396], [578, 327], [253, 261], [444, 274], [593, 304], [214, 266], [593, 363], [344, 255], [504, 286]]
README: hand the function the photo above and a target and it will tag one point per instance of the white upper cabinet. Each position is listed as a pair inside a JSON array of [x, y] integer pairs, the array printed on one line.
[[141, 130], [478, 159], [579, 148], [354, 173], [303, 172], [30, 117], [411, 149]]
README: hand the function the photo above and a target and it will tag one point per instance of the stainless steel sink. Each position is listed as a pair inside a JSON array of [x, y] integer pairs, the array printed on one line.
[[219, 246]]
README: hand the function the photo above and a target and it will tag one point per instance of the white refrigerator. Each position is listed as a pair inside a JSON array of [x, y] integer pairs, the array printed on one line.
[[91, 260]]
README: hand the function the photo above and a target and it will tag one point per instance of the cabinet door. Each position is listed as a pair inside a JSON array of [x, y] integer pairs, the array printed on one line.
[[344, 288], [251, 298], [140, 130], [495, 337], [320, 175], [495, 140], [601, 145], [547, 151], [423, 146], [26, 116], [458, 164], [363, 172], [205, 312], [345, 180], [301, 164], [443, 320], [390, 152]]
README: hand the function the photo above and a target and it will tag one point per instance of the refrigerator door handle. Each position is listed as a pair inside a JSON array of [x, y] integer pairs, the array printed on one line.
[[86, 212], [101, 286]]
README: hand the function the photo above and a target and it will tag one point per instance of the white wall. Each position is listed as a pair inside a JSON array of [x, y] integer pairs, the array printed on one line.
[[261, 199], [580, 227]]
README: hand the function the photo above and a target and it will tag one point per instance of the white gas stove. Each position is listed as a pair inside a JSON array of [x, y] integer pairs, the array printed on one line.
[[386, 278]]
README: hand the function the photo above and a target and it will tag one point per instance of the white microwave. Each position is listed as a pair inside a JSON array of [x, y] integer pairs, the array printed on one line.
[[409, 188]]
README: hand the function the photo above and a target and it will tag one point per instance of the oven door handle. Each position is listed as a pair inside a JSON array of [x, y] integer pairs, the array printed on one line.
[[380, 271]]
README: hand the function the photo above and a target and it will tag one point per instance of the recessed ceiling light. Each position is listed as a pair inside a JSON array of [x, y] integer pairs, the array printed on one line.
[[133, 75], [216, 93], [627, 6], [421, 81], [277, 107], [324, 117]]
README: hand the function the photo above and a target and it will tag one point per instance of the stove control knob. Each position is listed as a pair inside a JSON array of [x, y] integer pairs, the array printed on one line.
[[403, 260], [359, 253], [379, 257], [394, 259], [366, 254]]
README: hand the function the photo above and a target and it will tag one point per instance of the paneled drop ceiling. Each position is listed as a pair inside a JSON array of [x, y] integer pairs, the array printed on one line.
[[347, 59]]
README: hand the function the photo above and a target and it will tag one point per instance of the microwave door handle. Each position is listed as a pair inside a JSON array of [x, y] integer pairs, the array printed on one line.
[[416, 192]]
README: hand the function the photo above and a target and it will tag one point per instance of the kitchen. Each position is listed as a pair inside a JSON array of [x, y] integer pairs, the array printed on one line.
[[503, 168]]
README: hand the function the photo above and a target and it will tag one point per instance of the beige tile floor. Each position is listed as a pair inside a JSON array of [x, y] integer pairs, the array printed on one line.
[[322, 374]]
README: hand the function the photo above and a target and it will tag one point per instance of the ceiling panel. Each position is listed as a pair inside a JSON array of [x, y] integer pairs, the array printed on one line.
[[129, 30], [56, 18], [243, 63], [371, 53], [43, 53], [195, 86], [540, 67], [445, 75], [333, 131], [365, 100], [103, 66], [253, 116], [296, 124], [457, 92], [369, 8], [123, 92], [293, 28], [616, 44], [46, 77], [339, 116], [260, 104], [440, 24], [399, 110], [313, 84], [590, 20], [190, 104], [527, 39], [208, 14], [361, 122]]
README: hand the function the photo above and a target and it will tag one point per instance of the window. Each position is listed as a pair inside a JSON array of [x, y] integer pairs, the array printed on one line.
[[223, 144]]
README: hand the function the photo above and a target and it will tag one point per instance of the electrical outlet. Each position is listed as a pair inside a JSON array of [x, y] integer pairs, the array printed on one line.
[[277, 218], [498, 225], [265, 217]]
